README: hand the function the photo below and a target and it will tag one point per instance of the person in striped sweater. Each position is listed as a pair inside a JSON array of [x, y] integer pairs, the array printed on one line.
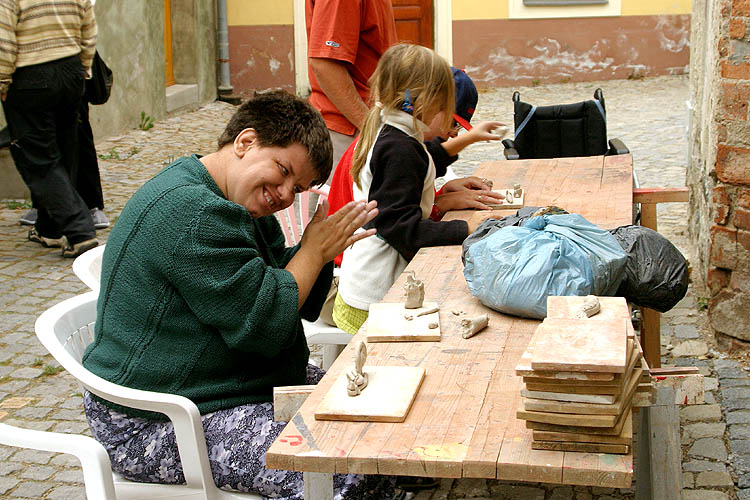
[[46, 50]]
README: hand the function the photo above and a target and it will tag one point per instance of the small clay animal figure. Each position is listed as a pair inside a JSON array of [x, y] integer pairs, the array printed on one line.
[[472, 326], [414, 289], [590, 307], [509, 196], [357, 377], [517, 191]]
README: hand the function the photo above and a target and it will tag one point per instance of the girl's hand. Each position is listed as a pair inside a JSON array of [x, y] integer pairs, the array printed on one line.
[[329, 236], [465, 183], [487, 131], [467, 198]]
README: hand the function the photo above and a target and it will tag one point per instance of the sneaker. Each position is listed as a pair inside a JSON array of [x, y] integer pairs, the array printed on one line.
[[44, 241], [29, 218], [100, 220], [72, 251]]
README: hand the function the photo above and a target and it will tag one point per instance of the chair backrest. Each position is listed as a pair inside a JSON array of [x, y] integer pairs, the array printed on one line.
[[560, 131], [66, 329], [294, 218], [88, 267], [97, 472]]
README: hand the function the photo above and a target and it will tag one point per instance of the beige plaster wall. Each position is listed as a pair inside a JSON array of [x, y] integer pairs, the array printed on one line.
[[131, 41]]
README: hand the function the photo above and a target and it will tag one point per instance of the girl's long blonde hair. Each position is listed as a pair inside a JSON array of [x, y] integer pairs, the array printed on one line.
[[429, 82]]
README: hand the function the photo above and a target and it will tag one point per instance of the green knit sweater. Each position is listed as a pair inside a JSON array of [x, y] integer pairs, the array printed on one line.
[[194, 299]]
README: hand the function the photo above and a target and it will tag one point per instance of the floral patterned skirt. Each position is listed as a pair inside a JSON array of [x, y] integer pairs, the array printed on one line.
[[237, 440]]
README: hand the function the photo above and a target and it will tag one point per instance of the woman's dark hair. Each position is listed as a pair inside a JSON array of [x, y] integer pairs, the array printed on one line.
[[280, 120]]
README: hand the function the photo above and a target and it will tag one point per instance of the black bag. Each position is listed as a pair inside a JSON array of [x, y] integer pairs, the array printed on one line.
[[99, 86], [656, 273]]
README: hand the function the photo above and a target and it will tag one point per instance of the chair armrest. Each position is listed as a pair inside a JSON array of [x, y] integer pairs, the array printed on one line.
[[510, 150], [617, 147]]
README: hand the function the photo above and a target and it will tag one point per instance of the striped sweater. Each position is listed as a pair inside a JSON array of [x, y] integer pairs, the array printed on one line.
[[38, 31]]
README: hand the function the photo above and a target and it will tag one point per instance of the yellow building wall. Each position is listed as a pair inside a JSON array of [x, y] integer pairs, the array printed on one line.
[[493, 9], [259, 12]]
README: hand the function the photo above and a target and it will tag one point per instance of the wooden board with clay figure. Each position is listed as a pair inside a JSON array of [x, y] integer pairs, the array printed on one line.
[[392, 322], [513, 198], [581, 345], [388, 396]]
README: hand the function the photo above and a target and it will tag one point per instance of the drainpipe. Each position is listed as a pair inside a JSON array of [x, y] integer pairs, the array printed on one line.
[[225, 88]]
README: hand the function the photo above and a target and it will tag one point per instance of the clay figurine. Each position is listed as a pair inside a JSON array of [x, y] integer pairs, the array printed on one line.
[[517, 191], [472, 326], [589, 307], [357, 377], [509, 196], [414, 289]]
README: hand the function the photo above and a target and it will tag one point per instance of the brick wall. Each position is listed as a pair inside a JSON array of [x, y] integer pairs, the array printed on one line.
[[719, 170]]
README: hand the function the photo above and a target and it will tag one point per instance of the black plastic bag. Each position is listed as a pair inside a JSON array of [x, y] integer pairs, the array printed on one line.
[[656, 273], [99, 86]]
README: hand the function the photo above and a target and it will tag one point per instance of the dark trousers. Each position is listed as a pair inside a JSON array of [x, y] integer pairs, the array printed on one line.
[[88, 183], [41, 109]]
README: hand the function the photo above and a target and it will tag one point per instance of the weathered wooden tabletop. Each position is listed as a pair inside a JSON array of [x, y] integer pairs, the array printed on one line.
[[462, 422]]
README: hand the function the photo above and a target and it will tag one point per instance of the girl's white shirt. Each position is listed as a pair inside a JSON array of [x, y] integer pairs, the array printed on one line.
[[371, 266]]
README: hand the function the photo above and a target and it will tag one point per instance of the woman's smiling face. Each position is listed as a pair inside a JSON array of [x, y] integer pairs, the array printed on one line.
[[265, 180]]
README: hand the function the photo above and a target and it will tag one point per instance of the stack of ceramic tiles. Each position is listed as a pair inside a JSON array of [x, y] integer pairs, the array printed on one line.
[[580, 376]]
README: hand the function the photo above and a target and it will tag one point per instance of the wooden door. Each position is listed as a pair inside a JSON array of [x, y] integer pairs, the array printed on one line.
[[168, 67], [414, 21]]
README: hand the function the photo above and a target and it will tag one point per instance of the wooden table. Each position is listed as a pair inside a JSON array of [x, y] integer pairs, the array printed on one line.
[[463, 423]]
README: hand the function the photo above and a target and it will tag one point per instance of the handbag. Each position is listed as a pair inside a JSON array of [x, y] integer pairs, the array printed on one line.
[[99, 86]]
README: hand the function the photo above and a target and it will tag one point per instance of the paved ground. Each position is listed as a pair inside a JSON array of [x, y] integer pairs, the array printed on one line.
[[650, 115]]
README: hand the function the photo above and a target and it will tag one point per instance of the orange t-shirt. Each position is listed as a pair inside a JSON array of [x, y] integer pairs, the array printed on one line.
[[355, 32]]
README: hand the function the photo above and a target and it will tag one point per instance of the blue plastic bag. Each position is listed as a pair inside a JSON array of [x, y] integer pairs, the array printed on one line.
[[514, 269]]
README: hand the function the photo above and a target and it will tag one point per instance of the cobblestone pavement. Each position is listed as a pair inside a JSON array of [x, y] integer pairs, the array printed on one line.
[[649, 115]]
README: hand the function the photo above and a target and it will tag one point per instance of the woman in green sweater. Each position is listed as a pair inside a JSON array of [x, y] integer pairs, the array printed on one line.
[[199, 297]]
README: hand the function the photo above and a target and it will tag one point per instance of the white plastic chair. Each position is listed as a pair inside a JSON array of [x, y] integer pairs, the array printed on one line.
[[97, 473], [65, 330], [332, 338], [88, 267]]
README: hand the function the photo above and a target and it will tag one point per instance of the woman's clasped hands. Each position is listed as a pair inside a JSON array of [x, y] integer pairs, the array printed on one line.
[[329, 236]]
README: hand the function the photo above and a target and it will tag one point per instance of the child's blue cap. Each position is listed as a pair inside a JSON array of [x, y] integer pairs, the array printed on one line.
[[466, 97]]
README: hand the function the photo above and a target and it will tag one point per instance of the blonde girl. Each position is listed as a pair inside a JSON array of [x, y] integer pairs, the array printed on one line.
[[411, 87]]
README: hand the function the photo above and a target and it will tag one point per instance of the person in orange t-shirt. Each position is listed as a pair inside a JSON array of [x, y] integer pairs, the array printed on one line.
[[345, 39]]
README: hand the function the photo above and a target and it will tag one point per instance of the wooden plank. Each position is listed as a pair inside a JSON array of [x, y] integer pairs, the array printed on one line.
[[587, 409], [575, 387], [288, 399], [675, 370], [661, 195], [566, 418], [561, 396], [607, 431], [388, 396], [650, 337], [519, 462], [387, 322], [581, 345], [581, 447], [598, 469], [624, 437], [496, 420], [524, 369], [566, 307]]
